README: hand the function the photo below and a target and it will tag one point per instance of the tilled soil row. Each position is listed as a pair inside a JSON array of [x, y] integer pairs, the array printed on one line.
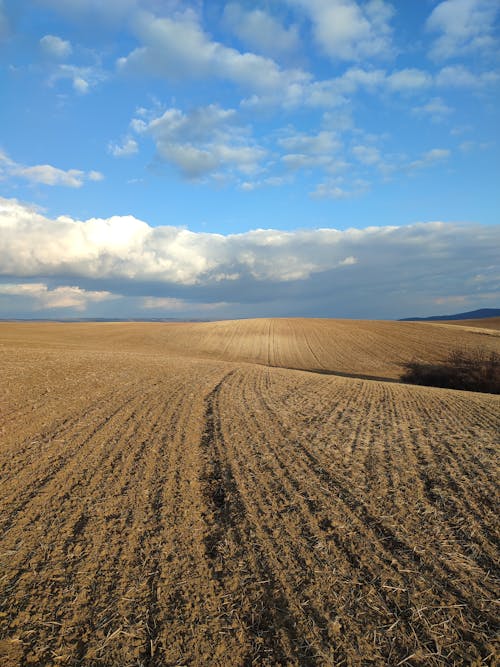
[[168, 511]]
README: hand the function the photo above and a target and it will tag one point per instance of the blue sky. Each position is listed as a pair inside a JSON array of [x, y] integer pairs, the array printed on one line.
[[334, 158]]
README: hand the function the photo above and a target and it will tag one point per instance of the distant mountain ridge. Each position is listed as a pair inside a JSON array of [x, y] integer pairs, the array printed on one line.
[[471, 315]]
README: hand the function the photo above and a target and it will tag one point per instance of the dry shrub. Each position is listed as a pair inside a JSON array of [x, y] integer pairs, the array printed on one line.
[[472, 370]]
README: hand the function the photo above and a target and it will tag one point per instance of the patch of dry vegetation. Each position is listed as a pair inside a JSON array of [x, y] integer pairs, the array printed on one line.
[[167, 510], [469, 370]]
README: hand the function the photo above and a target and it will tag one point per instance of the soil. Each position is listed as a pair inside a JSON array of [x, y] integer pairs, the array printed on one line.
[[177, 494]]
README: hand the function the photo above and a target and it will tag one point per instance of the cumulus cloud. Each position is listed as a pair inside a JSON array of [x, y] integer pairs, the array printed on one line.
[[83, 78], [408, 80], [435, 108], [350, 30], [127, 147], [46, 174], [202, 142], [334, 189], [325, 141], [260, 31], [430, 158], [459, 76], [368, 155], [376, 271], [463, 26], [302, 150], [55, 47], [42, 297], [177, 48]]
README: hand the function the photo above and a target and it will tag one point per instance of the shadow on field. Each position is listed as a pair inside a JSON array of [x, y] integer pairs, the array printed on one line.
[[469, 370]]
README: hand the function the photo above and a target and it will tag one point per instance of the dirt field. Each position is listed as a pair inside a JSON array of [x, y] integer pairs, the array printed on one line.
[[171, 496], [482, 323]]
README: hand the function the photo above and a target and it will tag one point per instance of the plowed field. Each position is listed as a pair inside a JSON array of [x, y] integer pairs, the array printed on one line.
[[171, 496]]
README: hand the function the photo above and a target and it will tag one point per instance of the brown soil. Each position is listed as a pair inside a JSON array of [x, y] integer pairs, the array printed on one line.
[[169, 498], [481, 323]]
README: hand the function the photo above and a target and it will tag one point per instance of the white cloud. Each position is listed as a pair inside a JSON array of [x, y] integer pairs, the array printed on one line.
[[260, 31], [459, 76], [55, 46], [331, 93], [435, 108], [58, 297], [350, 30], [297, 161], [128, 147], [469, 146], [311, 150], [82, 78], [46, 174], [325, 141], [333, 190], [409, 80], [463, 26], [376, 271], [171, 304], [270, 181], [178, 48], [163, 303], [368, 155], [203, 141], [430, 158]]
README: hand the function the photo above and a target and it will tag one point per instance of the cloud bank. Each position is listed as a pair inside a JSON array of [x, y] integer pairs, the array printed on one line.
[[371, 272]]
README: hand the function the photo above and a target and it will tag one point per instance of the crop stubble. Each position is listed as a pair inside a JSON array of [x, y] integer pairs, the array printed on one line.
[[168, 510]]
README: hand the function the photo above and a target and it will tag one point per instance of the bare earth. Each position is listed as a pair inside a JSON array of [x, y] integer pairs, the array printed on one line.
[[176, 494]]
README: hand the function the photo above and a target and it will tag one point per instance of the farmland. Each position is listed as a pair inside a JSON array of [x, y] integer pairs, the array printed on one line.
[[192, 494]]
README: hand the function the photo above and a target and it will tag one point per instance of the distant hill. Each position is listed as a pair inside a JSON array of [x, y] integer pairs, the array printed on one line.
[[471, 315]]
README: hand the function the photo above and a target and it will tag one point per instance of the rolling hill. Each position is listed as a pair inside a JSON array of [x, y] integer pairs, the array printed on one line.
[[175, 494]]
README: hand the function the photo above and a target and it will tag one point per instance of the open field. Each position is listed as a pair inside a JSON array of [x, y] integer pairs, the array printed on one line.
[[177, 494], [481, 323]]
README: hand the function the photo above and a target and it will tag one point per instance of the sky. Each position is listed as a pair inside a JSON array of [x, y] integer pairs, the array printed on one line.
[[209, 160]]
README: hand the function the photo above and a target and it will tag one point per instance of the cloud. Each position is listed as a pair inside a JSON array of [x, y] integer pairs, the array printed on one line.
[[59, 297], [46, 174], [202, 142], [325, 141], [430, 158], [260, 31], [368, 155], [371, 272], [435, 108], [312, 150], [172, 304], [459, 76], [177, 48], [55, 47], [333, 190], [349, 30], [409, 80], [128, 147], [82, 78], [269, 181], [463, 26]]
